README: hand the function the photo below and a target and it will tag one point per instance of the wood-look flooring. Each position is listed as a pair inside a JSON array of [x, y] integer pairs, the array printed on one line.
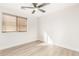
[[38, 49]]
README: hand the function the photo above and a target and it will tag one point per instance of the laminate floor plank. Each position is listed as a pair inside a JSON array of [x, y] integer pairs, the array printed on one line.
[[38, 49]]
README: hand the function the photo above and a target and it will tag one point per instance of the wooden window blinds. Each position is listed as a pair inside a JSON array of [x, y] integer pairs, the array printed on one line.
[[13, 23]]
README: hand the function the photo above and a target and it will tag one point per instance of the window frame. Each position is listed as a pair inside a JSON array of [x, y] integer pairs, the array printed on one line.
[[16, 22]]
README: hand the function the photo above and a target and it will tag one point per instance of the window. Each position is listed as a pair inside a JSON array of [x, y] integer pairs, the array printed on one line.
[[13, 23], [21, 24]]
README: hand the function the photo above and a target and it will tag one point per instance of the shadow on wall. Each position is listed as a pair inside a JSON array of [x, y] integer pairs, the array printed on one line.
[[48, 39]]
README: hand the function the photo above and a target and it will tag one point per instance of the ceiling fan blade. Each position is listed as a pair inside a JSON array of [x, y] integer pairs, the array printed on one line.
[[34, 4], [42, 10], [33, 11], [23, 7], [42, 5]]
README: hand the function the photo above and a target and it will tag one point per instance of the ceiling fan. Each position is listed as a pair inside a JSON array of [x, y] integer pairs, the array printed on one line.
[[36, 7]]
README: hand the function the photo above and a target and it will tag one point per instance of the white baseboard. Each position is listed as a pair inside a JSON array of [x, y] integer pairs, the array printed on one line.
[[18, 44], [67, 47]]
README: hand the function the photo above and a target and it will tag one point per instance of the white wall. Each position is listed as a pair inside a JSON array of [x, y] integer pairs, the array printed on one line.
[[16, 38], [62, 26]]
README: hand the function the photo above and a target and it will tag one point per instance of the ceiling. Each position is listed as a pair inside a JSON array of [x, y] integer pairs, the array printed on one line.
[[52, 7]]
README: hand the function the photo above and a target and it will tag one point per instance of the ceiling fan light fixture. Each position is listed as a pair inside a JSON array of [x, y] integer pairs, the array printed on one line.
[[36, 7]]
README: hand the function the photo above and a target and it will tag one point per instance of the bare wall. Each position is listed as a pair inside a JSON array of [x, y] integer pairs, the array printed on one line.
[[62, 26]]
